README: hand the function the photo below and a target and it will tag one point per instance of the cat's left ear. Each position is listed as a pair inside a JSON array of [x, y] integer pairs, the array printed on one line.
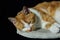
[[25, 10], [12, 19]]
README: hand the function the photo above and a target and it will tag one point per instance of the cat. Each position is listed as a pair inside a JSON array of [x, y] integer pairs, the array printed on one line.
[[46, 12], [49, 14]]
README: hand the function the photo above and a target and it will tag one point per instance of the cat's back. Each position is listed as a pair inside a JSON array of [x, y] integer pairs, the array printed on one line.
[[47, 4], [43, 4]]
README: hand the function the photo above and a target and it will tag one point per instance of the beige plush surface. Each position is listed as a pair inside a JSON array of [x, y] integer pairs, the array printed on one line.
[[39, 34]]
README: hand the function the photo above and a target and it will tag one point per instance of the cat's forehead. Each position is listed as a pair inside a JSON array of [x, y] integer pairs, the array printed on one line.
[[21, 13]]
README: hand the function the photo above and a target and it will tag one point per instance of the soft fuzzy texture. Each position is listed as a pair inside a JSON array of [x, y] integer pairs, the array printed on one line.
[[41, 34]]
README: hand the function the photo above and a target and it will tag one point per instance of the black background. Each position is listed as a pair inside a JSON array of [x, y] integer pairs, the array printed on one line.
[[10, 9]]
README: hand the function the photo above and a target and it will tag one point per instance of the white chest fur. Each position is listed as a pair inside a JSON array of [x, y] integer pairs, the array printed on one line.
[[44, 24]]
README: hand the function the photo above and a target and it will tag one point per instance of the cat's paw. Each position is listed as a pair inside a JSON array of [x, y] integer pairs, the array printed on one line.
[[54, 28]]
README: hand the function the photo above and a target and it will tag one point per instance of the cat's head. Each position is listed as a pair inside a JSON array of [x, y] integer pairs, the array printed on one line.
[[24, 16]]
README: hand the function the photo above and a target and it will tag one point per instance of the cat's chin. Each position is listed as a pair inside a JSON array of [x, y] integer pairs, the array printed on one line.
[[26, 29]]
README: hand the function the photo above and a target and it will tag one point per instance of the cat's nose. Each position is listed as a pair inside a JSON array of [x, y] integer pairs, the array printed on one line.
[[29, 22]]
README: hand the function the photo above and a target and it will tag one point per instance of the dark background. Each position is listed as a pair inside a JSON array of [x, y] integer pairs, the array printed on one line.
[[10, 9]]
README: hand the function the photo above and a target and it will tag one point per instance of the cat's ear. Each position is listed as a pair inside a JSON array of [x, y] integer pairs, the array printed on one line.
[[44, 9], [12, 19], [25, 10]]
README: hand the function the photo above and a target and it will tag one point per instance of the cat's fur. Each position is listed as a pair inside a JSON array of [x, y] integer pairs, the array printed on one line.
[[47, 13]]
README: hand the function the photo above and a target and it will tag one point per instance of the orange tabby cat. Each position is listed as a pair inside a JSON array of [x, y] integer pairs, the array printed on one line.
[[47, 12]]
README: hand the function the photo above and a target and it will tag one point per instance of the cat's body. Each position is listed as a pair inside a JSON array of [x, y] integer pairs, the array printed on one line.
[[49, 15], [46, 12]]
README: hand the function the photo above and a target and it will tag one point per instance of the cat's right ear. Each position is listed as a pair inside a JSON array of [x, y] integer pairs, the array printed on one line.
[[12, 19], [25, 10]]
